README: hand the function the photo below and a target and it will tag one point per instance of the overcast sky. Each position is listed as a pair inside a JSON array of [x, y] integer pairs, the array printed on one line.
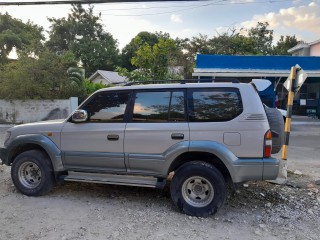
[[186, 19]]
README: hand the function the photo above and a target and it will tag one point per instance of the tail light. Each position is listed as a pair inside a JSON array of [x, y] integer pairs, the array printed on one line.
[[267, 144]]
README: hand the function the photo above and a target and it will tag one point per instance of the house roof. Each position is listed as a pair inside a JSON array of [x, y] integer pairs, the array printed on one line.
[[315, 42], [298, 47], [303, 45], [254, 66], [110, 76]]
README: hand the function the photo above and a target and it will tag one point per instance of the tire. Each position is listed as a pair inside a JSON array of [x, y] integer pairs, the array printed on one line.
[[32, 173], [198, 189], [276, 123]]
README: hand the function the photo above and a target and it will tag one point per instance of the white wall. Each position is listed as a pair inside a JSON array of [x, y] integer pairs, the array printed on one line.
[[18, 111], [315, 50]]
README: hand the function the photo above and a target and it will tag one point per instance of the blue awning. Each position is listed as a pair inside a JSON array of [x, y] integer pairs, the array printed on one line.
[[254, 66]]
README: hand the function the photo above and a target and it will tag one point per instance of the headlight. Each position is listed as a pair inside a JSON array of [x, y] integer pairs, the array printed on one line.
[[6, 138]]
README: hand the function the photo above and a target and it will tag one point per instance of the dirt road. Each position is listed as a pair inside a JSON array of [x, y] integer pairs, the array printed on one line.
[[259, 210]]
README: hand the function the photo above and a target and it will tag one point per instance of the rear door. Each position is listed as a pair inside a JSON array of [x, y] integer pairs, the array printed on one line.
[[213, 116], [157, 128]]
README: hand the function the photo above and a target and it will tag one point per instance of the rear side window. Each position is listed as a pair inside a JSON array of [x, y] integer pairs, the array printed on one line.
[[155, 106], [214, 105]]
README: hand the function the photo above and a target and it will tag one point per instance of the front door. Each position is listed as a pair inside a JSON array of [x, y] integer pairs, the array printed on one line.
[[97, 145]]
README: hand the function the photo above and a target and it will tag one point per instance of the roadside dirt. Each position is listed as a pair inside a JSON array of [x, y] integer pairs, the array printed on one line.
[[257, 210]]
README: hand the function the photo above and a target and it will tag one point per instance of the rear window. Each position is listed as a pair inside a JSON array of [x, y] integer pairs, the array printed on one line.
[[214, 105]]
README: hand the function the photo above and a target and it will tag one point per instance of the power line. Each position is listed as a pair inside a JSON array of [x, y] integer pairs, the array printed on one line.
[[161, 13], [84, 2], [186, 8]]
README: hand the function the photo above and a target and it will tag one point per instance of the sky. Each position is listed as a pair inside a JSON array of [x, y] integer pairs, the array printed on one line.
[[187, 19]]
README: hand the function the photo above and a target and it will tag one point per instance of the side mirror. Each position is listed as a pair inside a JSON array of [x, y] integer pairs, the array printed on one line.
[[79, 116]]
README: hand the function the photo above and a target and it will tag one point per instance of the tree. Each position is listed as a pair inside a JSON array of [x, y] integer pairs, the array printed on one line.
[[83, 34], [76, 76], [284, 44], [186, 51], [262, 37], [232, 42], [152, 62], [44, 77], [130, 49], [25, 38]]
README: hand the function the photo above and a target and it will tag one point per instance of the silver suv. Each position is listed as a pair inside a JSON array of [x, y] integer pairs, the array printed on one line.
[[205, 135]]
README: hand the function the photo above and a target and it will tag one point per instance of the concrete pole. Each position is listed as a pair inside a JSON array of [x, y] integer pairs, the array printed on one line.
[[289, 114], [283, 168]]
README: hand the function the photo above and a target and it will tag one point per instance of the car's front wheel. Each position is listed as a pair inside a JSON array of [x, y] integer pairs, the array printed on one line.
[[198, 189], [32, 173]]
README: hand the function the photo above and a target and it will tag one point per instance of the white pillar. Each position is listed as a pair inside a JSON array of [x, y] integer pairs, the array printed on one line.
[[73, 104]]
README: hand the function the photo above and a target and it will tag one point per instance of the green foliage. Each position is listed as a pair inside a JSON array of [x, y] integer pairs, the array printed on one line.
[[134, 75], [24, 37], [284, 44], [130, 49], [254, 41], [83, 34], [152, 62], [76, 76], [44, 77], [232, 44], [91, 87], [262, 38]]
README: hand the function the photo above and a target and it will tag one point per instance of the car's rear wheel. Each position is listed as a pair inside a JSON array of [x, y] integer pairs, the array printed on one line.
[[32, 173], [198, 189]]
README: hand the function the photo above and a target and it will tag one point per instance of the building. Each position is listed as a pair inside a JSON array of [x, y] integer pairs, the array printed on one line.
[[274, 68], [107, 77], [306, 49]]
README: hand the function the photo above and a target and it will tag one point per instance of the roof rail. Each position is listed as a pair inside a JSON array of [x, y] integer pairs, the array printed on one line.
[[184, 81]]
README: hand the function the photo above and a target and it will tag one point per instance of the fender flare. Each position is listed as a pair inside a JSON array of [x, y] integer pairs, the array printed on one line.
[[44, 142], [214, 148]]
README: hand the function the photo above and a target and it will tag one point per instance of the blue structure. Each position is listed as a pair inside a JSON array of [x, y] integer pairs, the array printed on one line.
[[274, 68], [260, 63]]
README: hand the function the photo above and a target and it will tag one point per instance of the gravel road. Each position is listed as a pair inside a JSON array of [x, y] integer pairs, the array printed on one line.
[[256, 210]]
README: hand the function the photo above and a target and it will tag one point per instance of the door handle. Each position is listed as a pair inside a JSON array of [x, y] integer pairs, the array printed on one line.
[[177, 136], [113, 137]]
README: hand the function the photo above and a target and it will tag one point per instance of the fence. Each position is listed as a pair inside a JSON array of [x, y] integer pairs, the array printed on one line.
[[20, 111]]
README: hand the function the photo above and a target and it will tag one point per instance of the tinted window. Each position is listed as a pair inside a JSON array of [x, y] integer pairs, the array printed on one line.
[[107, 107], [214, 105], [159, 107]]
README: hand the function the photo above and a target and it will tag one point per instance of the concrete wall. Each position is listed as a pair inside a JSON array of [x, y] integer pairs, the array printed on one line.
[[315, 49], [18, 111]]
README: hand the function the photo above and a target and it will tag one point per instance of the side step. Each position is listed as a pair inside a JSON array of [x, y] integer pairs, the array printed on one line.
[[116, 179]]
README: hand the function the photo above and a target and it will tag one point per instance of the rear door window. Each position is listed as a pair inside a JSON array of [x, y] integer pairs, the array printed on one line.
[[159, 106]]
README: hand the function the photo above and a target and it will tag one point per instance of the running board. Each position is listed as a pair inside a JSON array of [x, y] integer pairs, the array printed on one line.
[[116, 179]]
